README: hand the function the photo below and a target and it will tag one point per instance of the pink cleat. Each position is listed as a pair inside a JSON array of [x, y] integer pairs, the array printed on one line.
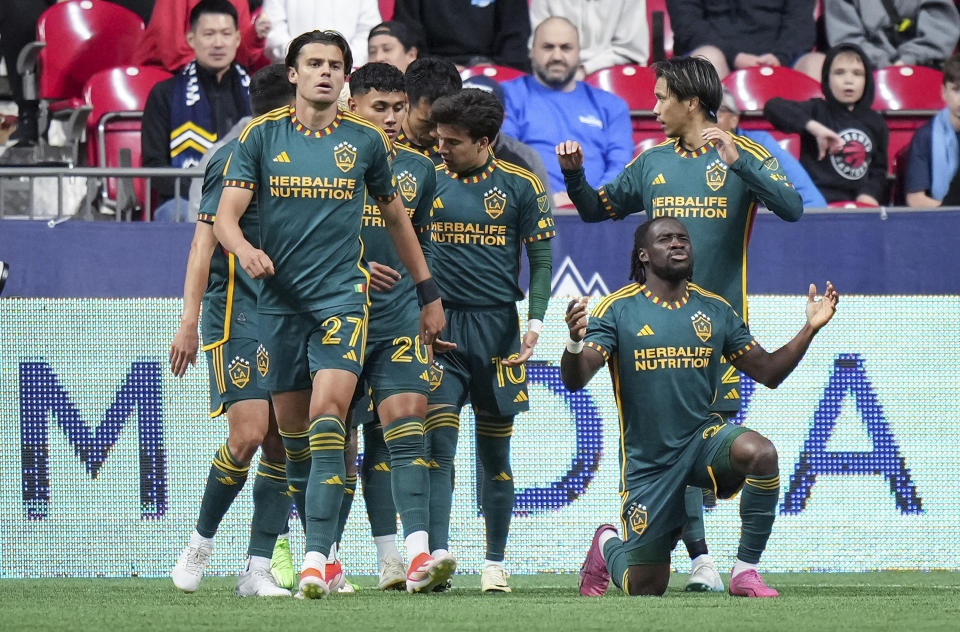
[[750, 584], [594, 576]]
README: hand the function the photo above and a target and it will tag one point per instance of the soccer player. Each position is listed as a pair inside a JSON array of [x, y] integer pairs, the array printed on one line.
[[426, 80], [311, 164], [662, 337], [229, 298], [713, 181], [483, 211]]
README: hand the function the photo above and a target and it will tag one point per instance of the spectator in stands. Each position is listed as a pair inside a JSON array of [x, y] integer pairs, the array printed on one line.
[[843, 142], [165, 42], [395, 43], [18, 27], [552, 105], [734, 35], [935, 148], [471, 32], [187, 113], [895, 32], [426, 80], [728, 119], [612, 32], [289, 18], [506, 147]]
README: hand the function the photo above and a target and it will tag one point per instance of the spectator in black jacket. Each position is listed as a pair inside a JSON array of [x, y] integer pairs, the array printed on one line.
[[734, 34], [843, 142]]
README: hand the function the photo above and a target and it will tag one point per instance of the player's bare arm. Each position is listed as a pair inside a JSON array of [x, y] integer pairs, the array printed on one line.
[[382, 277], [233, 204], [770, 369], [578, 364], [183, 349]]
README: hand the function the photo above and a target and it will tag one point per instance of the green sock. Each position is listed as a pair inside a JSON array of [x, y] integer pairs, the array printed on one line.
[[441, 430], [296, 446], [325, 485], [409, 472], [349, 491], [377, 490], [496, 487], [694, 535], [615, 554], [271, 507], [758, 508], [224, 482]]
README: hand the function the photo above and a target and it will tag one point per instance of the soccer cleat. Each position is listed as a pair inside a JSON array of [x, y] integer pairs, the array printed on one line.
[[281, 565], [494, 579], [750, 584], [312, 585], [259, 582], [188, 572], [594, 576], [446, 586], [392, 576], [335, 577], [704, 578], [427, 571]]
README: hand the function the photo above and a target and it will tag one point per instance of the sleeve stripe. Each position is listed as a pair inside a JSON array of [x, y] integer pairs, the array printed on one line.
[[547, 235], [509, 167], [736, 354], [241, 184], [272, 115], [752, 143], [597, 347], [350, 116], [206, 217], [605, 200], [699, 290], [625, 292]]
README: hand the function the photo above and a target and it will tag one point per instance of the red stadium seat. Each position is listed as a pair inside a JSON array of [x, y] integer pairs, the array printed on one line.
[[633, 84], [752, 87], [117, 97], [908, 96], [497, 73], [386, 9], [660, 6], [849, 204]]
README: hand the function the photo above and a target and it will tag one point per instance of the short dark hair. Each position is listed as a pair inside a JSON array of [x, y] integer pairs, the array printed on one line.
[[951, 70], [270, 89], [376, 76], [409, 35], [477, 111], [217, 7], [431, 78], [637, 271], [328, 37], [689, 77]]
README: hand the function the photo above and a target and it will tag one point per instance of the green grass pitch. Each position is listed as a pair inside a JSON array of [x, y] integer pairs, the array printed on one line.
[[902, 601]]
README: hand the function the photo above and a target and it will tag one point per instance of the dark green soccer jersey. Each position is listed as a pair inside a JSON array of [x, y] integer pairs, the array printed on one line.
[[715, 202], [479, 221], [416, 184], [433, 153], [665, 361], [312, 186], [230, 300]]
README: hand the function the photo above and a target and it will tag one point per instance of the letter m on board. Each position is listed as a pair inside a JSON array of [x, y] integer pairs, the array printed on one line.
[[43, 399]]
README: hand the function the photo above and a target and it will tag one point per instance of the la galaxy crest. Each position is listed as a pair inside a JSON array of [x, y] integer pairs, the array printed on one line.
[[435, 375], [407, 184], [702, 326], [263, 361], [494, 202], [638, 518], [239, 372], [716, 174], [345, 155]]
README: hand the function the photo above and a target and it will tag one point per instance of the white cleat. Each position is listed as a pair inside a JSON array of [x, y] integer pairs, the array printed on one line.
[[312, 585], [427, 571], [188, 572], [392, 575], [258, 582], [704, 577], [494, 579]]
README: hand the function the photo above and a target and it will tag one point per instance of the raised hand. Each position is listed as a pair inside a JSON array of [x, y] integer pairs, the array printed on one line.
[[570, 155], [382, 277], [820, 312], [526, 350], [576, 318], [725, 146], [828, 141]]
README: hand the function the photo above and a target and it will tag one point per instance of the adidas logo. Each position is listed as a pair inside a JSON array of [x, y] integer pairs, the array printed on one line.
[[521, 397], [381, 467], [732, 395], [350, 355], [502, 476], [646, 331], [421, 463], [334, 480], [282, 157], [659, 179], [226, 480], [425, 376]]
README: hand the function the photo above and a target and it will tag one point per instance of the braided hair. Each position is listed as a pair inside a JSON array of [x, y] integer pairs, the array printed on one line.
[[637, 271]]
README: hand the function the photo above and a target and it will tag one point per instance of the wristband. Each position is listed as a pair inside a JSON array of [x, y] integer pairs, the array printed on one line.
[[573, 346], [535, 325], [427, 291]]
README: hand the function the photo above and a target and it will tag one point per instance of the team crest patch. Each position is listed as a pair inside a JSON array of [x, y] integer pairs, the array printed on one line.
[[771, 163], [702, 326], [716, 174], [345, 155], [239, 372], [494, 202], [263, 361], [543, 203], [435, 375], [407, 183], [638, 518]]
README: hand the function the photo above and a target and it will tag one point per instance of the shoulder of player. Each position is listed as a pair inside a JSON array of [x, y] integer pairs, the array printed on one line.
[[522, 174], [751, 146], [609, 301], [264, 120], [352, 121], [660, 148], [707, 296], [220, 156], [408, 156]]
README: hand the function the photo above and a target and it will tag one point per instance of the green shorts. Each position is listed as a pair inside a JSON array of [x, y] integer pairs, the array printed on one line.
[[296, 346], [473, 369], [361, 407], [234, 374], [652, 513]]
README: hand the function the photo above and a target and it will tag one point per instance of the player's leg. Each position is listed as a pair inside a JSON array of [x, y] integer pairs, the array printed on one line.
[[381, 511], [334, 573], [496, 495], [703, 572]]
